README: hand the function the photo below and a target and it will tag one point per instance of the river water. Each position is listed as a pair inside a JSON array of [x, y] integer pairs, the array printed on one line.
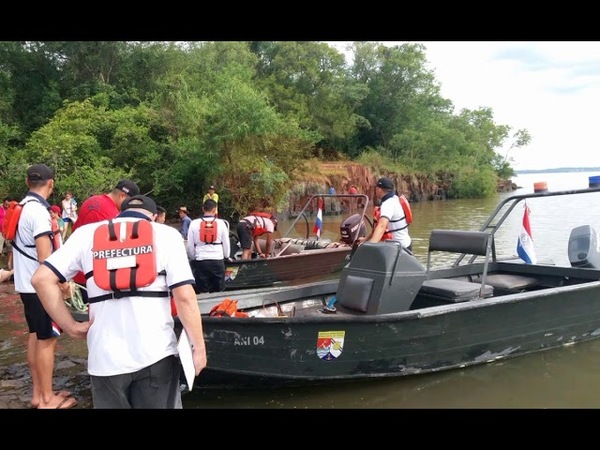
[[562, 378]]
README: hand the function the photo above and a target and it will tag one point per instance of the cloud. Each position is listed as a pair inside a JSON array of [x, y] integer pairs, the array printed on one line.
[[552, 89]]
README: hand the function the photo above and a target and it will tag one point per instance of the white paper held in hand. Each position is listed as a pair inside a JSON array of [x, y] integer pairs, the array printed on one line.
[[184, 347]]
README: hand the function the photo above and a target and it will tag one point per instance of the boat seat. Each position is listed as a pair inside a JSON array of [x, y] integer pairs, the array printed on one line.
[[509, 282], [454, 291], [478, 243]]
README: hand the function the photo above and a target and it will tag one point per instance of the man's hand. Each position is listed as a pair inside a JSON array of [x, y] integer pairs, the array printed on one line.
[[79, 330], [66, 289]]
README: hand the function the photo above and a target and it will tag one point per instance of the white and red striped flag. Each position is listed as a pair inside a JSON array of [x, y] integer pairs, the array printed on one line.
[[525, 248], [319, 220]]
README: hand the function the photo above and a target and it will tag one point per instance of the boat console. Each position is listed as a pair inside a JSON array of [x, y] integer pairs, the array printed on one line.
[[381, 278]]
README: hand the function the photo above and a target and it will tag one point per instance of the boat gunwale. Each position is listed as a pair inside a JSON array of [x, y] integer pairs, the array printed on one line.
[[410, 314]]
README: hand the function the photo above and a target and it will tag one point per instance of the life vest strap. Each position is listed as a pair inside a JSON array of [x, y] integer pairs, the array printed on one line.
[[90, 274], [120, 294]]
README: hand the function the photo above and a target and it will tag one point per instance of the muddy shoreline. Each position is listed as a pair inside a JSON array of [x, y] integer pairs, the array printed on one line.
[[70, 368], [69, 374]]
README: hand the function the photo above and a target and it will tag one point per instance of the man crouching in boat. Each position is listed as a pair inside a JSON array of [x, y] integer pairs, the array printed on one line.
[[133, 267], [251, 228], [390, 221]]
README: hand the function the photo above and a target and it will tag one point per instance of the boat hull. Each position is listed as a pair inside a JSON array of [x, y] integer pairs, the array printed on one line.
[[286, 269], [283, 351]]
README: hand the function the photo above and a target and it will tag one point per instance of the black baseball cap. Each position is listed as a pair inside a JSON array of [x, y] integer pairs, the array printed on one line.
[[40, 172], [141, 202], [209, 205], [385, 183], [129, 187]]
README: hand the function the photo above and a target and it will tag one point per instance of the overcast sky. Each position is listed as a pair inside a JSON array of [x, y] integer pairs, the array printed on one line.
[[552, 89]]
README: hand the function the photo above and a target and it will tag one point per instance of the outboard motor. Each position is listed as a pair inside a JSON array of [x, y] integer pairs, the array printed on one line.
[[235, 249], [349, 228], [583, 247]]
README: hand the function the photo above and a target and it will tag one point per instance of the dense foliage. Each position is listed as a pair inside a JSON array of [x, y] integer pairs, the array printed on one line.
[[245, 116]]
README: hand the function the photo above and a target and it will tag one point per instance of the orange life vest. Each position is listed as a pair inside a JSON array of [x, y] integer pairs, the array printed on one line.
[[208, 231], [11, 223], [227, 308], [11, 220], [124, 255], [407, 216], [406, 208]]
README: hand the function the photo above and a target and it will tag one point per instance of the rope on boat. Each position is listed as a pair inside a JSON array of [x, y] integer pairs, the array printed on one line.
[[75, 300]]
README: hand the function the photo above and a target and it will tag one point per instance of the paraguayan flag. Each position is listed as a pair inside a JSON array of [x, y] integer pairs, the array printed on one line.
[[525, 248], [319, 220]]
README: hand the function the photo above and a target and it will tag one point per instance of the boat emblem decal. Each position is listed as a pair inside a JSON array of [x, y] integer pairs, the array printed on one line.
[[230, 273], [330, 344]]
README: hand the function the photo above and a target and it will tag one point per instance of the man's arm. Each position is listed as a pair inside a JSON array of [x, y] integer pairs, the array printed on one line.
[[43, 247], [189, 314], [47, 285], [269, 245], [190, 243], [257, 245], [379, 230], [225, 239]]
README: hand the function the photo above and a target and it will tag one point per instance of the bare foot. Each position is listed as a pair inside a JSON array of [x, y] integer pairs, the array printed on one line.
[[61, 394]]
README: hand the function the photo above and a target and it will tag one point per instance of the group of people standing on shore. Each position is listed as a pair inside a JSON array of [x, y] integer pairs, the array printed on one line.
[[131, 294]]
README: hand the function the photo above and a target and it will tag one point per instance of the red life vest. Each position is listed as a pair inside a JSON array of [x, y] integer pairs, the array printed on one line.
[[208, 230], [124, 255], [260, 229], [407, 216], [56, 237]]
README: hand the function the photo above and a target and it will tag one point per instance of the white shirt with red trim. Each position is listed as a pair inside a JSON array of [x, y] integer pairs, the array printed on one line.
[[392, 210], [130, 333], [201, 251], [34, 222]]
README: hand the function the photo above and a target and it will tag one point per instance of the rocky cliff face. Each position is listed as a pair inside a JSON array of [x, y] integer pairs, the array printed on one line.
[[341, 175]]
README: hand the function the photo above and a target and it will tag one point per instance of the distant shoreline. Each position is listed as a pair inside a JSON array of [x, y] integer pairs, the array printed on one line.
[[560, 170]]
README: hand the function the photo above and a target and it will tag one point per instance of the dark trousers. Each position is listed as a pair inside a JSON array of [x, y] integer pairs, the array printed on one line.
[[156, 386], [209, 275]]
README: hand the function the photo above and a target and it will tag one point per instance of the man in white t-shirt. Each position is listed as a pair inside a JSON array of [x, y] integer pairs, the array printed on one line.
[[208, 247], [391, 223], [32, 245], [132, 346]]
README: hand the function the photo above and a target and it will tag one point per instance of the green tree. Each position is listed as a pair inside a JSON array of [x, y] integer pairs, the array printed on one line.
[[307, 83]]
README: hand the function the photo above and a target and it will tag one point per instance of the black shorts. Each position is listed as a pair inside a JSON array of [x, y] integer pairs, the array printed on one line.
[[244, 232], [38, 320]]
